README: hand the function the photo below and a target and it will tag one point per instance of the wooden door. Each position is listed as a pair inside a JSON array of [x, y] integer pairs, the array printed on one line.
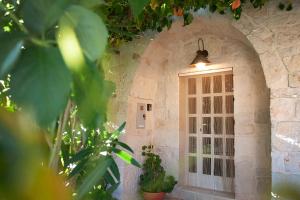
[[210, 131]]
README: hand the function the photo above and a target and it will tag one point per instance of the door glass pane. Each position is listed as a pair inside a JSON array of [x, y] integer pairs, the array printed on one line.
[[192, 145], [218, 125], [229, 104], [229, 147], [229, 83], [229, 125], [192, 164], [206, 105], [206, 124], [192, 105], [206, 145], [206, 166], [192, 124], [218, 167], [210, 113], [218, 104], [217, 84], [218, 146], [191, 86], [205, 85], [230, 168]]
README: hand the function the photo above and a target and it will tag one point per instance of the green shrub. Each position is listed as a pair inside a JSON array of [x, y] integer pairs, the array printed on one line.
[[154, 178]]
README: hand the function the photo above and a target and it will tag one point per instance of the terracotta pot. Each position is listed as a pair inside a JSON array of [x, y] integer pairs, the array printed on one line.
[[177, 11], [154, 196]]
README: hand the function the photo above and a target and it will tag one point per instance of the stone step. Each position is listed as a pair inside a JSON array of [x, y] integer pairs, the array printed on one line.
[[194, 193]]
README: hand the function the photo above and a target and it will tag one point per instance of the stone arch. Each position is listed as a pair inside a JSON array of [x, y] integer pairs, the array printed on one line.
[[156, 82]]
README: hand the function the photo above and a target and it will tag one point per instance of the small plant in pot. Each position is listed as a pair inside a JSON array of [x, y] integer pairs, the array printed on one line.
[[154, 182]]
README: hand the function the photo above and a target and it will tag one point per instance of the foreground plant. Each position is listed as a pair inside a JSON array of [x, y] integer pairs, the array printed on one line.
[[51, 50]]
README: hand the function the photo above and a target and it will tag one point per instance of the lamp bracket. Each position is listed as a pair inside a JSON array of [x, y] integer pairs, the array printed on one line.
[[199, 44]]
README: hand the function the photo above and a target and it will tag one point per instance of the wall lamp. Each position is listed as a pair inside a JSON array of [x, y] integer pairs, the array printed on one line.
[[201, 59]]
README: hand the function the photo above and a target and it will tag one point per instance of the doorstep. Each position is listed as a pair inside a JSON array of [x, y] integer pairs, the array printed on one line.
[[195, 193]]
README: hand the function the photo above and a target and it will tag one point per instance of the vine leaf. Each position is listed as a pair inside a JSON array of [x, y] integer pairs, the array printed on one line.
[[39, 15], [41, 85], [91, 3], [137, 6], [11, 44], [89, 29]]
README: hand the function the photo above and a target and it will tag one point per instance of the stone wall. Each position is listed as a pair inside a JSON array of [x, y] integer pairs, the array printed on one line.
[[268, 39], [275, 36]]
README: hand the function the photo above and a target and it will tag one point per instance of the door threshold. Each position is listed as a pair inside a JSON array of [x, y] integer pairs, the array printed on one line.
[[190, 193]]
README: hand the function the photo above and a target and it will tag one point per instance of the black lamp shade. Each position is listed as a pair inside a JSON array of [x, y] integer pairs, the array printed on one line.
[[201, 57]]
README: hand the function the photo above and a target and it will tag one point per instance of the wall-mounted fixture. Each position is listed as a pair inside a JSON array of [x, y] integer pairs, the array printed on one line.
[[149, 107], [201, 59], [141, 116]]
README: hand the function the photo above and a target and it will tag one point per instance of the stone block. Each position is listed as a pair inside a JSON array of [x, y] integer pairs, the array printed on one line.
[[262, 116], [263, 172], [242, 196], [294, 64], [263, 151], [282, 109], [289, 36], [246, 181], [285, 93], [288, 52], [244, 25], [261, 39], [292, 163], [278, 161], [263, 188], [261, 45], [245, 129], [294, 79], [275, 73], [287, 136], [298, 110]]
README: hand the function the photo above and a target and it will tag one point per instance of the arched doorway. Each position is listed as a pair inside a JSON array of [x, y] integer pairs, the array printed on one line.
[[156, 82]]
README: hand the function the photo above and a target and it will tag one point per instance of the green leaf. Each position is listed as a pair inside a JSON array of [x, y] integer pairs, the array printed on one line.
[[115, 169], [65, 153], [11, 44], [126, 157], [79, 167], [92, 93], [89, 29], [40, 83], [80, 155], [93, 177], [109, 178], [113, 188], [91, 3], [137, 6], [39, 15], [121, 128], [117, 132], [188, 18], [125, 146]]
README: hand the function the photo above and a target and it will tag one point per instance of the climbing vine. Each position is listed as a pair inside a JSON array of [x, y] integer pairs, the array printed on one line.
[[124, 24]]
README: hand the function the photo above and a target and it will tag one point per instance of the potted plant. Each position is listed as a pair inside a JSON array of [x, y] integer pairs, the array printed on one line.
[[154, 182]]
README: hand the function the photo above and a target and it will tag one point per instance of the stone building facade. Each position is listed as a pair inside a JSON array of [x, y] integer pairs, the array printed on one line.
[[263, 50]]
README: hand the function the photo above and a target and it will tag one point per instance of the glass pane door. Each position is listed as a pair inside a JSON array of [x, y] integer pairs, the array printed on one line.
[[210, 128]]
